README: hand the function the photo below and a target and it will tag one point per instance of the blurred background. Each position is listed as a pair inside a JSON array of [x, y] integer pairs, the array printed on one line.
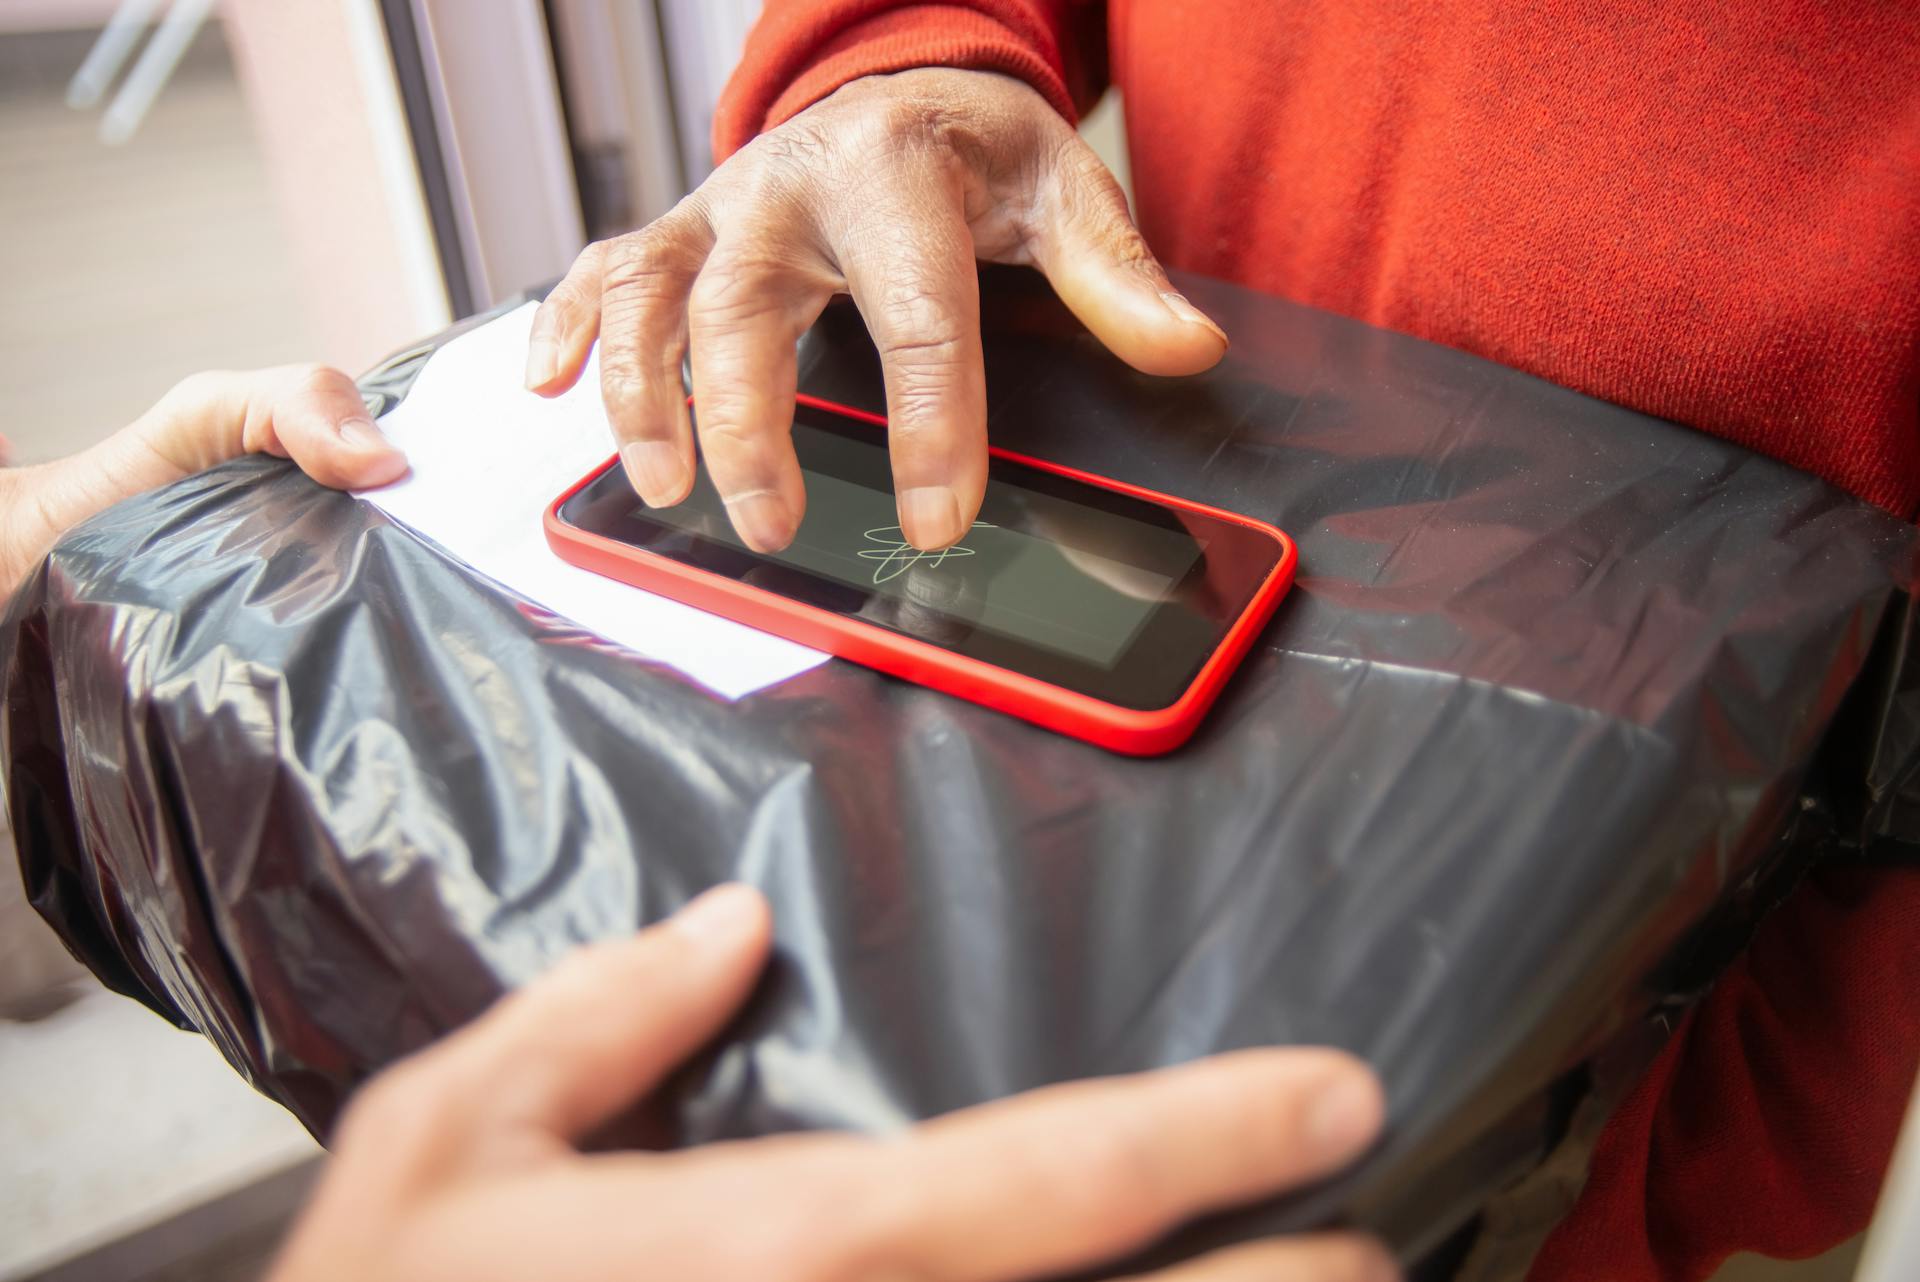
[[202, 183], [197, 184], [229, 183]]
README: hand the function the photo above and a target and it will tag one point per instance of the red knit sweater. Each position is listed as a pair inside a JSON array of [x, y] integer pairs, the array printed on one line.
[[1706, 211]]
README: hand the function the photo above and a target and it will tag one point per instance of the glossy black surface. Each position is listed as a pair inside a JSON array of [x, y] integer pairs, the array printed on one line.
[[1074, 584], [1552, 686]]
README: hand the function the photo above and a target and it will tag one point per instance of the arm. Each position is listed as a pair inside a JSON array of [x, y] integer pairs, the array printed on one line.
[[310, 414], [888, 189], [462, 1161]]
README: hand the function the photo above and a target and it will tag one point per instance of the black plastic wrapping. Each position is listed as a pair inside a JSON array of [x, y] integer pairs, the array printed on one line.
[[1545, 696]]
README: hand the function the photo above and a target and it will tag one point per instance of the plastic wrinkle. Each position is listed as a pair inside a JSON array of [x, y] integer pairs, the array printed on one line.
[[1554, 682]]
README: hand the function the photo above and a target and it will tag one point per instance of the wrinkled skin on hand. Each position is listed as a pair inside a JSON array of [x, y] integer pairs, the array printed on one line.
[[887, 190]]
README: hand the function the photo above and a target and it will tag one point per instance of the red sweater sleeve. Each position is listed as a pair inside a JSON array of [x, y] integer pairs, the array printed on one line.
[[1768, 1120], [802, 50]]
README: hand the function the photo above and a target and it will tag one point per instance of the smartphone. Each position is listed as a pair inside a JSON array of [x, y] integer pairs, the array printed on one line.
[[1094, 608]]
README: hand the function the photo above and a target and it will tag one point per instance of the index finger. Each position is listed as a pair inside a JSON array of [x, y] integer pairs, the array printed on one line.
[[630, 294], [1077, 1174]]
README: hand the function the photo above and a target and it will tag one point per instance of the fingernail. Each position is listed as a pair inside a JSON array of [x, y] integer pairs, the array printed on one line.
[[543, 357], [1346, 1114], [364, 433], [930, 516], [762, 520], [723, 913], [1179, 306], [657, 471]]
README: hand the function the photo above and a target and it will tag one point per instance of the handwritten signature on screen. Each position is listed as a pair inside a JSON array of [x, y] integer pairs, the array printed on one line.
[[896, 556]]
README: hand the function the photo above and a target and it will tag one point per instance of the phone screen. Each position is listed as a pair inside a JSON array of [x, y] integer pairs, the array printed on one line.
[[1103, 592]]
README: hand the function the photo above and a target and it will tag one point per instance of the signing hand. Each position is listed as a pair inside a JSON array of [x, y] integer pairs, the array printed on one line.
[[460, 1162], [888, 190]]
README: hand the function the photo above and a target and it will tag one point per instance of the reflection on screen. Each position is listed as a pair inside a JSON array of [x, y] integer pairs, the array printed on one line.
[[1034, 567]]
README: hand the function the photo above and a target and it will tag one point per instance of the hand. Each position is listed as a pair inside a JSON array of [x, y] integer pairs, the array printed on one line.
[[308, 413], [459, 1163], [888, 190]]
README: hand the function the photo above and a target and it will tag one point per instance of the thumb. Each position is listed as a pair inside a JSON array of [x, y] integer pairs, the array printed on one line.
[[315, 416], [576, 1046], [1100, 266]]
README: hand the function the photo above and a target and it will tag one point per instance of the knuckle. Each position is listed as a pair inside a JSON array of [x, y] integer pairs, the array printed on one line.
[[310, 377], [1130, 251], [837, 134], [730, 283], [414, 1116], [642, 295], [1085, 191], [560, 310], [923, 363], [586, 266], [204, 386], [631, 369], [641, 268], [552, 319], [589, 258], [778, 179], [724, 430], [916, 120], [627, 386], [1081, 172], [792, 149], [928, 355], [907, 118], [920, 404], [746, 287], [917, 319]]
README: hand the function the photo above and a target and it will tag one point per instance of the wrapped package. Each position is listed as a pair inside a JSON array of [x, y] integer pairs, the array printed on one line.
[[1562, 694]]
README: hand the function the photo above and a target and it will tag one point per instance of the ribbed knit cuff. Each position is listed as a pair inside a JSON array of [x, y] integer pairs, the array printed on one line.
[[794, 59]]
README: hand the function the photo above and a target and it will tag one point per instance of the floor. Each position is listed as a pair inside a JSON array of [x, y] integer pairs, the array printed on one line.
[[115, 1122]]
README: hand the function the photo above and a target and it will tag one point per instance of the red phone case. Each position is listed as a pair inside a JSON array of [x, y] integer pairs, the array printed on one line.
[[1128, 730]]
